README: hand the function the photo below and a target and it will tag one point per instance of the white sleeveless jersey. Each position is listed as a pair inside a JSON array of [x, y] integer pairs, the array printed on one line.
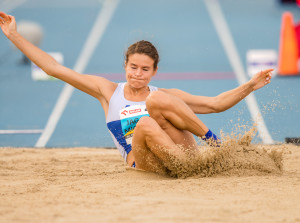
[[122, 118]]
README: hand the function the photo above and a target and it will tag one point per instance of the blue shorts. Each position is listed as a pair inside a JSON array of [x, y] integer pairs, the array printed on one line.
[[133, 165]]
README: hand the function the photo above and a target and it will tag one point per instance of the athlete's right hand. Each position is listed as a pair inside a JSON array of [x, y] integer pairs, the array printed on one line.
[[7, 24]]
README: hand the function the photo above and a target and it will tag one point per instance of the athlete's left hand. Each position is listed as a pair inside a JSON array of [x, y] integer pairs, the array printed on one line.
[[261, 79]]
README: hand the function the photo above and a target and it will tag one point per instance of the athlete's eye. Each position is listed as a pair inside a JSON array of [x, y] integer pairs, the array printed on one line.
[[133, 68]]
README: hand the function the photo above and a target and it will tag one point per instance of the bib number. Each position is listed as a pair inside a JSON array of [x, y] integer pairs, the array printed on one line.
[[129, 117]]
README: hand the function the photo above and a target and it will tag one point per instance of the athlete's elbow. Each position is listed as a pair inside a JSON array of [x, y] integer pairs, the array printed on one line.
[[49, 72], [216, 109], [215, 106], [52, 69], [219, 106], [219, 109]]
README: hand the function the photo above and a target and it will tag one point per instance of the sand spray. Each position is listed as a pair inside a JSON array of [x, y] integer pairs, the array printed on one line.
[[235, 156]]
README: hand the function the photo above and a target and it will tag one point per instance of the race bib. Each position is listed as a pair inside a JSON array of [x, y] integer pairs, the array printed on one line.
[[129, 116]]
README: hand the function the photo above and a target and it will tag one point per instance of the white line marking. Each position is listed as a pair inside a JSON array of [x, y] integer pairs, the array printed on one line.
[[222, 29], [22, 131], [9, 5], [91, 43]]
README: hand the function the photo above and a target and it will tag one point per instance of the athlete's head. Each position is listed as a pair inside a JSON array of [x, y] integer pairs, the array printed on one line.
[[141, 61], [143, 47]]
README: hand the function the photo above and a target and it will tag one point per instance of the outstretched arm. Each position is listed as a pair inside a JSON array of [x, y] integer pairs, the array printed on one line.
[[92, 85], [224, 101]]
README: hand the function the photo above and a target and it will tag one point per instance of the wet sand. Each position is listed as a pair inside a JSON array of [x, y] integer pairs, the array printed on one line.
[[94, 185]]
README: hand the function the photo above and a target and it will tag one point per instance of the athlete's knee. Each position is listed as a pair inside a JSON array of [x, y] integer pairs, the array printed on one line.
[[146, 124], [143, 122], [158, 100]]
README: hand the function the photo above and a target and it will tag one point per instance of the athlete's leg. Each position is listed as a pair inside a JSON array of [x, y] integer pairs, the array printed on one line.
[[156, 140], [152, 148], [169, 112]]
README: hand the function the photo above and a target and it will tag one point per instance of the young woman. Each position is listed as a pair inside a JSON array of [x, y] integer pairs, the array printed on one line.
[[151, 127]]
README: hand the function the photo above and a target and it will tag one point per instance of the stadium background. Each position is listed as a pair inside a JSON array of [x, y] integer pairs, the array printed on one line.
[[192, 59]]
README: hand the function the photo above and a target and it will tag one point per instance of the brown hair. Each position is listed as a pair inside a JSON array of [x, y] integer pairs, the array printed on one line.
[[143, 47]]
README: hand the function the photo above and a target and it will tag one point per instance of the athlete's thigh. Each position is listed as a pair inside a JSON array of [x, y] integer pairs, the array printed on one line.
[[153, 147], [144, 152]]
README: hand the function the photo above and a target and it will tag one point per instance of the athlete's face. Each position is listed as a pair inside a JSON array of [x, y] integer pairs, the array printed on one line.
[[139, 70]]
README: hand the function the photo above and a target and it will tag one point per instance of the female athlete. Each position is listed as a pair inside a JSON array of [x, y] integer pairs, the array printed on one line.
[[150, 126]]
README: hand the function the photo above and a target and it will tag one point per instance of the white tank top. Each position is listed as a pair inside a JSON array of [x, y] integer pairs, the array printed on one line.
[[122, 118]]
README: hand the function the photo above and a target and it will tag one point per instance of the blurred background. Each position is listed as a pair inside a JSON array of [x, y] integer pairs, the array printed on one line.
[[203, 47]]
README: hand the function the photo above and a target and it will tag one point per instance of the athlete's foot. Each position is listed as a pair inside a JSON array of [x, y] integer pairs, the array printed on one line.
[[211, 139]]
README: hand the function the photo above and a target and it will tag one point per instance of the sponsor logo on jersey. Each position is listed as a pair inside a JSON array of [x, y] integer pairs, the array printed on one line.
[[124, 112], [135, 111]]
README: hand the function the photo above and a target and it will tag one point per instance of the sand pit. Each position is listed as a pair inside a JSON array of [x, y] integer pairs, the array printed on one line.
[[94, 185]]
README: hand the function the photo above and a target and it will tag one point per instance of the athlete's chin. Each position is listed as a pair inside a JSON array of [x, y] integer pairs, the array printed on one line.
[[138, 83]]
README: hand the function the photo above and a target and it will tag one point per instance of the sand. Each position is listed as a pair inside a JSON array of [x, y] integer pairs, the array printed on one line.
[[94, 185]]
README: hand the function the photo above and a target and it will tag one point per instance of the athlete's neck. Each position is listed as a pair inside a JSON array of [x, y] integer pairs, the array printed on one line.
[[136, 94]]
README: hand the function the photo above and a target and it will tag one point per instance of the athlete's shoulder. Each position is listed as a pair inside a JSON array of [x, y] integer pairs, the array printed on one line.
[[106, 88], [106, 85]]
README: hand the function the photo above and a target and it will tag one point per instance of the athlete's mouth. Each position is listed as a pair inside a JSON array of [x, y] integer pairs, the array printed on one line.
[[138, 79]]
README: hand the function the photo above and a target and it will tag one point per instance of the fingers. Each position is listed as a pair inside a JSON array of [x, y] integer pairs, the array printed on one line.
[[1, 20], [268, 77], [4, 16], [11, 18], [267, 73], [267, 82], [268, 70]]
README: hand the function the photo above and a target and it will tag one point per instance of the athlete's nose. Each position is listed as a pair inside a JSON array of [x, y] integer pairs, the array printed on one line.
[[139, 72]]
